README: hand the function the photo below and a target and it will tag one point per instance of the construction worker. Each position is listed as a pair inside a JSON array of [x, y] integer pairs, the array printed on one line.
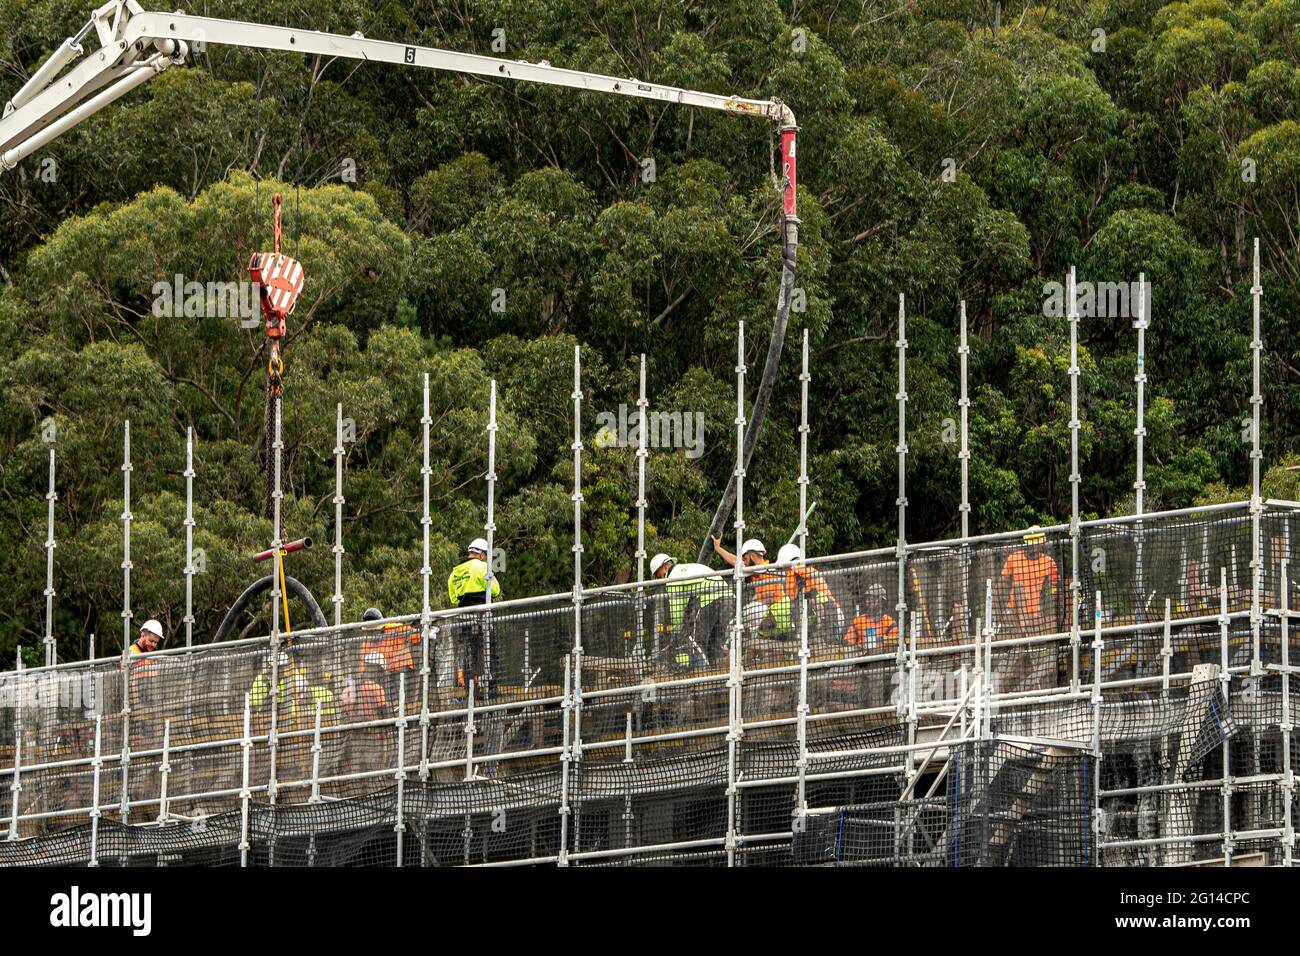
[[363, 696], [766, 588], [872, 627], [696, 616], [366, 748], [294, 688], [806, 583], [392, 642], [144, 673], [1026, 573], [467, 586]]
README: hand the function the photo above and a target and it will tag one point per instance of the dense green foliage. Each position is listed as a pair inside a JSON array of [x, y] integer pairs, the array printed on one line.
[[1121, 136]]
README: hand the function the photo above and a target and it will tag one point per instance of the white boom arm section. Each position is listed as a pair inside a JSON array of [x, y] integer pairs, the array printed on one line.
[[136, 45]]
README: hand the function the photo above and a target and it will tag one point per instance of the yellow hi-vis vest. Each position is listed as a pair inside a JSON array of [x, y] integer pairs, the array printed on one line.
[[469, 578], [680, 592]]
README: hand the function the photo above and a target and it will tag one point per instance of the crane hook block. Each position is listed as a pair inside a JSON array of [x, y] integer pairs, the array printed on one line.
[[279, 279], [279, 282]]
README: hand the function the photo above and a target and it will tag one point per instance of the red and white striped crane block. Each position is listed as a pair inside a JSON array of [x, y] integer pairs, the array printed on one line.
[[279, 280]]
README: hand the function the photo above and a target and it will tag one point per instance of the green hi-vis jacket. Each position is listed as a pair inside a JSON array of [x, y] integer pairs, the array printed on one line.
[[467, 579]]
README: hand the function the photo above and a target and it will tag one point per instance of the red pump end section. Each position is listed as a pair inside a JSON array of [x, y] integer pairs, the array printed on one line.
[[790, 169]]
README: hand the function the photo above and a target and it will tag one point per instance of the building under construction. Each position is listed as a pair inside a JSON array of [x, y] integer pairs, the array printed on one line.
[[1107, 692]]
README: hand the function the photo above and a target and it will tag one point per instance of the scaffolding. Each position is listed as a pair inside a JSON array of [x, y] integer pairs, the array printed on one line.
[[1106, 692]]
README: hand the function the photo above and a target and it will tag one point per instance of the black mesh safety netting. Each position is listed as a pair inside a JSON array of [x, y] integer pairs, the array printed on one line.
[[621, 731]]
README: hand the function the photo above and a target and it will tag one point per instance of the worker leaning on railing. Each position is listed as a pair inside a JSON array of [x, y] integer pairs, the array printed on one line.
[[144, 672]]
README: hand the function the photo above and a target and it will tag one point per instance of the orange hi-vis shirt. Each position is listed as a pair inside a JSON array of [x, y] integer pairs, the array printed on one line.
[[1027, 578], [768, 587], [813, 584], [872, 631], [395, 647]]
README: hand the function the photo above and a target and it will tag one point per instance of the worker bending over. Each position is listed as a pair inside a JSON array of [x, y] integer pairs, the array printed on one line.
[[467, 585], [699, 609], [393, 642]]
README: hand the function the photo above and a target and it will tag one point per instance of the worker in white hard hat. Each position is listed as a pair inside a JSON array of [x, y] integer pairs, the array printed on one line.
[[752, 552], [696, 617], [150, 639], [764, 587], [803, 583], [467, 585]]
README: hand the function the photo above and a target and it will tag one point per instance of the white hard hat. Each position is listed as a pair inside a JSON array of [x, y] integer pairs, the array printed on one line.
[[478, 544], [753, 544], [658, 561], [788, 553], [153, 627]]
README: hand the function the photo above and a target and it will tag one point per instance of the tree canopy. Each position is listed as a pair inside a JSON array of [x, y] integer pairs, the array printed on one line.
[[476, 230]]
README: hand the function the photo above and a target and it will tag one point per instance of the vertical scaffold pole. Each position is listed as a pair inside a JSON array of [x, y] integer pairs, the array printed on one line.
[[16, 784], [337, 550], [1096, 726], [164, 772], [576, 744], [96, 766], [1256, 456], [804, 379], [189, 537], [315, 757], [801, 800], [963, 457], [125, 807], [562, 855], [643, 426], [901, 501], [244, 792], [430, 637], [277, 517], [490, 527], [446, 666], [470, 727], [126, 533], [642, 407], [1225, 683], [1075, 592], [1139, 435], [736, 651], [51, 657], [1288, 774], [399, 826]]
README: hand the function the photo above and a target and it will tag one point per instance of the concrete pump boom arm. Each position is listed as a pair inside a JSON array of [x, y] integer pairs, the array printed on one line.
[[136, 45]]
